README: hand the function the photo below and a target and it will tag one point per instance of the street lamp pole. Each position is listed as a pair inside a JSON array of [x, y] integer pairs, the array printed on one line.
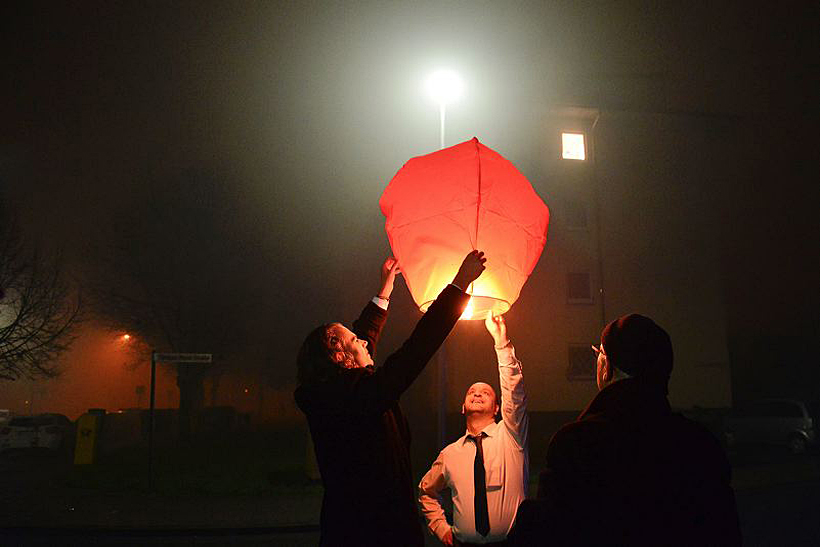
[[442, 109], [443, 86]]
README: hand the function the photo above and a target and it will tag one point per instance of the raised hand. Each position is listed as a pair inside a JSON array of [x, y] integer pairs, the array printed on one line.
[[390, 269], [470, 269], [497, 328]]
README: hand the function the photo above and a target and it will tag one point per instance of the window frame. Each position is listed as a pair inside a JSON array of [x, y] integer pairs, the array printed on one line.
[[573, 373], [584, 143], [574, 300]]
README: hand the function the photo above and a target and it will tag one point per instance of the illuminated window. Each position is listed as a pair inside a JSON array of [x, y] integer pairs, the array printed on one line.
[[582, 362], [573, 146]]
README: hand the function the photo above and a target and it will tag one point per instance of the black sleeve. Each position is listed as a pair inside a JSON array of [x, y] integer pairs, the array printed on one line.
[[719, 508], [379, 391], [542, 521], [369, 326]]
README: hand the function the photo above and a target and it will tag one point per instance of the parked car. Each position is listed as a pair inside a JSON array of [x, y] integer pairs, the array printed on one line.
[[786, 422], [51, 431]]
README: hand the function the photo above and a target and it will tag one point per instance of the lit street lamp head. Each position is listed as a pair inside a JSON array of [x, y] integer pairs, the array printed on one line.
[[444, 86]]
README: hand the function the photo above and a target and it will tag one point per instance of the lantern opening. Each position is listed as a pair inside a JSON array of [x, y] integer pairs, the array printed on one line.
[[468, 311], [478, 307]]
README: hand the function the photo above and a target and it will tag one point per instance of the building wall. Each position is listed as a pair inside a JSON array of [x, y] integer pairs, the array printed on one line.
[[652, 185]]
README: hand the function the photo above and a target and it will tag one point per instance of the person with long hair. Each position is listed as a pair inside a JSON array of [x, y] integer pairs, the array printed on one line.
[[360, 436]]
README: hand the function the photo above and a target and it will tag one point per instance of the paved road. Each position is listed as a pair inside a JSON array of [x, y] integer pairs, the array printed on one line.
[[786, 514], [778, 505]]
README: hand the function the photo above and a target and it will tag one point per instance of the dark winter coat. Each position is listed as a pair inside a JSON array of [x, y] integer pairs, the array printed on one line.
[[362, 439], [629, 471]]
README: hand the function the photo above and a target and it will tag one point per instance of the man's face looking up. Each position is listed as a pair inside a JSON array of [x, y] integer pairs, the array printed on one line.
[[480, 398]]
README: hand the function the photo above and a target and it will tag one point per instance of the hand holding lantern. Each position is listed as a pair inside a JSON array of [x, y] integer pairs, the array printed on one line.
[[470, 269], [390, 269], [497, 327]]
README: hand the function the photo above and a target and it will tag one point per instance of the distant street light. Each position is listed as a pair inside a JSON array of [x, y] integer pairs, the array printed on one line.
[[444, 86]]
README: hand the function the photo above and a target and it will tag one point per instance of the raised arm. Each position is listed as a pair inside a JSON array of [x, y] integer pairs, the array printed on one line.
[[371, 321], [513, 397], [433, 482], [380, 390]]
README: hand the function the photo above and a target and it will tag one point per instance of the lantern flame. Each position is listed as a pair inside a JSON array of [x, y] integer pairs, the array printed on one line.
[[468, 311]]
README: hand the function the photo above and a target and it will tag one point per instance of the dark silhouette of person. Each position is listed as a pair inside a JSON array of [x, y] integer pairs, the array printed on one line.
[[630, 471], [360, 436]]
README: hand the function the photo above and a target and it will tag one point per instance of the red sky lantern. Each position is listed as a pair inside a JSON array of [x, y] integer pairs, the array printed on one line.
[[441, 206]]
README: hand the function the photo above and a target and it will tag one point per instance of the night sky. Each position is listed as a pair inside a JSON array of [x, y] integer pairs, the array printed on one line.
[[298, 114]]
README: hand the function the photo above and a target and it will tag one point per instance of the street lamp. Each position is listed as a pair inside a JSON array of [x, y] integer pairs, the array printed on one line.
[[444, 86]]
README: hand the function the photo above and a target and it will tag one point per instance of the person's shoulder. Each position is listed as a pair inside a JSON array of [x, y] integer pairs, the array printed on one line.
[[695, 433], [575, 438], [453, 447], [585, 439], [591, 424], [309, 396], [333, 393], [690, 427]]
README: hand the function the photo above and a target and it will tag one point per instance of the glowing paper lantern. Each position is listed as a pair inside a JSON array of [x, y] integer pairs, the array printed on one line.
[[441, 206]]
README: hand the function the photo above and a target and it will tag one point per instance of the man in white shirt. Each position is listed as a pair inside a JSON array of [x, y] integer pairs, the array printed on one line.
[[497, 449]]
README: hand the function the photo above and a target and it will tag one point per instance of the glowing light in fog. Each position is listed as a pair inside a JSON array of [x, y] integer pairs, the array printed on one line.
[[444, 86]]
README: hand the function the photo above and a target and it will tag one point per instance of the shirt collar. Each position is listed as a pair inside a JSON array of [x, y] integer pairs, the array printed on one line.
[[488, 431]]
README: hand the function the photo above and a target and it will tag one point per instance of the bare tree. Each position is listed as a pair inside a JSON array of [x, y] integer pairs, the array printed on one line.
[[174, 275], [39, 309]]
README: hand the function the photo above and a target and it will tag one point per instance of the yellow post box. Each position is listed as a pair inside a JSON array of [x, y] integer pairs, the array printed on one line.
[[88, 428]]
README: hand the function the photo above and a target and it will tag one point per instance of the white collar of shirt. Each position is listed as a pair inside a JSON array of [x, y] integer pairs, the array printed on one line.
[[489, 431]]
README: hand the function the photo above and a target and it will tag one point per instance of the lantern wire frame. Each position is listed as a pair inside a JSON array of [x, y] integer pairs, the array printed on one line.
[[478, 307]]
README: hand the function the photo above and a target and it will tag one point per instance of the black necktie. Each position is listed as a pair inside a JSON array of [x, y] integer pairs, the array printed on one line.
[[482, 516]]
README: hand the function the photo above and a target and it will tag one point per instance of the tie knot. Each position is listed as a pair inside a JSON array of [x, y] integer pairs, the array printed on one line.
[[477, 438]]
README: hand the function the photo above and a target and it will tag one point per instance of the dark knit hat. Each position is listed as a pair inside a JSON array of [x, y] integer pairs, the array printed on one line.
[[638, 346]]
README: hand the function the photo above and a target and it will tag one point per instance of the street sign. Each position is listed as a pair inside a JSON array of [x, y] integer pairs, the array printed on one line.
[[183, 357]]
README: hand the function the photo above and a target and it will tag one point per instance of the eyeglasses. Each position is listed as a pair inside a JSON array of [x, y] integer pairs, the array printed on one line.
[[598, 350]]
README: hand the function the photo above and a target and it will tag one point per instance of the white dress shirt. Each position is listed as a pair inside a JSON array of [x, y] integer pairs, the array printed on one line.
[[505, 462]]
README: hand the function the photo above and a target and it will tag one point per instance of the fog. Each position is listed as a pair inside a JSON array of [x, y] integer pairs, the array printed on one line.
[[304, 111]]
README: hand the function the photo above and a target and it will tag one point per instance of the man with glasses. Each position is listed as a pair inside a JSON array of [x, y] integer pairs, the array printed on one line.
[[630, 471]]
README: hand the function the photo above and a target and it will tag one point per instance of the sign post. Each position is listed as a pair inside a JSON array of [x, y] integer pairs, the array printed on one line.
[[179, 358]]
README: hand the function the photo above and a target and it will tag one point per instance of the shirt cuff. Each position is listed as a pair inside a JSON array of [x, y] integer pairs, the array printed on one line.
[[381, 302]]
